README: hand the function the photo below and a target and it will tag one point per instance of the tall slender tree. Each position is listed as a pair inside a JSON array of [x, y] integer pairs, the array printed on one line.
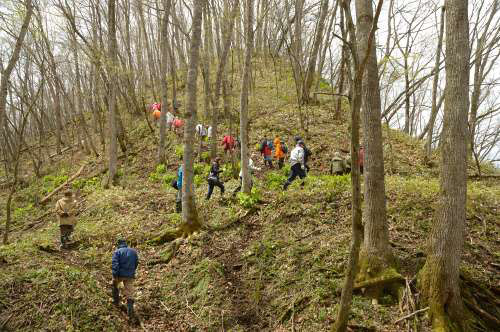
[[164, 73], [245, 82], [113, 91], [189, 212], [376, 255], [439, 278]]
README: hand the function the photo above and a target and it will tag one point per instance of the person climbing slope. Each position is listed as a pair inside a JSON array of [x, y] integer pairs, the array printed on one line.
[[229, 144], [266, 148], [297, 164], [280, 150], [178, 199], [251, 169], [337, 167], [66, 217], [123, 266], [213, 178]]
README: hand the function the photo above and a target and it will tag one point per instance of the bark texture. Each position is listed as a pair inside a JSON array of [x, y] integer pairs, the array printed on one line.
[[190, 219], [376, 255], [439, 279], [245, 82], [113, 90]]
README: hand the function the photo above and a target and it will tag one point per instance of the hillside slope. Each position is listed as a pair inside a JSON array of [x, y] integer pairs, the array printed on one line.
[[273, 261]]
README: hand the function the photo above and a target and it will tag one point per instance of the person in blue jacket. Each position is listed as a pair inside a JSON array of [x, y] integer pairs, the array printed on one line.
[[178, 199], [124, 264]]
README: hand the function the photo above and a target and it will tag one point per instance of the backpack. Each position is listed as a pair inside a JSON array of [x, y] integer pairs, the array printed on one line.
[[173, 184], [284, 148], [262, 146]]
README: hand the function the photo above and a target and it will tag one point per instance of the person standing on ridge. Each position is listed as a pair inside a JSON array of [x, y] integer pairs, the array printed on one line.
[[66, 216], [297, 164], [123, 265], [213, 178]]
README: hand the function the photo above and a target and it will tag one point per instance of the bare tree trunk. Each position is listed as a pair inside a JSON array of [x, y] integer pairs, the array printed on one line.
[[435, 82], [229, 27], [4, 82], [246, 185], [164, 85], [306, 87], [376, 255], [356, 98], [480, 59], [190, 219], [113, 49], [439, 278]]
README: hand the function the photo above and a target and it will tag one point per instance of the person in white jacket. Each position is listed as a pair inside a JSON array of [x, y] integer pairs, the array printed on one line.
[[251, 168], [297, 164]]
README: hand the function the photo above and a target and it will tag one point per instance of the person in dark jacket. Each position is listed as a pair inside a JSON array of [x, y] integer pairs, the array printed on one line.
[[213, 178], [123, 265]]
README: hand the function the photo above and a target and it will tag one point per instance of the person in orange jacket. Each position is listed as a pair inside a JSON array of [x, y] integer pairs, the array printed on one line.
[[280, 151]]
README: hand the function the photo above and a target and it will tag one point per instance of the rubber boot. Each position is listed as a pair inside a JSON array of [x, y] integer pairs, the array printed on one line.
[[285, 187], [130, 309], [116, 295]]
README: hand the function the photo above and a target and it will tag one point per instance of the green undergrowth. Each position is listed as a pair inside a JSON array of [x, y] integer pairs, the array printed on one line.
[[268, 261]]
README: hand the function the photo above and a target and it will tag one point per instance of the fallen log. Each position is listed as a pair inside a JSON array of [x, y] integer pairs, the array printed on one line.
[[380, 281], [55, 191]]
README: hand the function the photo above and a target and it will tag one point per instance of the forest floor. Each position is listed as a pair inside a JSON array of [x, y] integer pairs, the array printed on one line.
[[273, 261]]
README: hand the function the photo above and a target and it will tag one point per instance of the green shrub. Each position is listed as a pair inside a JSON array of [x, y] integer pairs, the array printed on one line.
[[179, 151], [201, 169], [275, 180], [286, 170], [51, 182], [248, 201]]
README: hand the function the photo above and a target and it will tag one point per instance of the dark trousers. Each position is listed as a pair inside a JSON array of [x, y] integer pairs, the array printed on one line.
[[296, 170], [66, 231], [281, 161], [211, 185]]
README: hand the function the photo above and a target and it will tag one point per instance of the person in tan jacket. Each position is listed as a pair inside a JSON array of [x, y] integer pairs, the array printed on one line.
[[66, 215]]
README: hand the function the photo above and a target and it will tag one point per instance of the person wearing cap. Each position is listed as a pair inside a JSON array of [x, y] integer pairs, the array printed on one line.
[[123, 265], [66, 217], [297, 164], [213, 178], [307, 153], [337, 166]]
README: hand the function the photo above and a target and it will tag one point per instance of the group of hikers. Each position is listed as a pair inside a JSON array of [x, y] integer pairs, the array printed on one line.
[[125, 260], [174, 122]]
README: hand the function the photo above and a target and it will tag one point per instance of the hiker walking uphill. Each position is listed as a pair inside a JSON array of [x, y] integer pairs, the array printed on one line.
[[280, 151], [66, 217], [266, 148], [251, 168], [213, 178], [229, 144], [307, 153], [338, 165], [178, 182], [123, 265], [297, 164]]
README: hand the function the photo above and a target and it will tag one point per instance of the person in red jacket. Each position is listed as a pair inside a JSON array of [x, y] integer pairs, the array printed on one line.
[[228, 143]]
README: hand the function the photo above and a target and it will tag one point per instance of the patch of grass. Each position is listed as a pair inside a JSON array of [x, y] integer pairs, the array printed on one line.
[[51, 182], [248, 201]]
